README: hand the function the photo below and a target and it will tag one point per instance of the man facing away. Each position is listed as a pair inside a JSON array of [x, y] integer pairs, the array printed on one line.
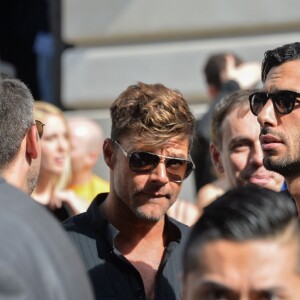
[[37, 260], [235, 148], [245, 246], [130, 246], [277, 111]]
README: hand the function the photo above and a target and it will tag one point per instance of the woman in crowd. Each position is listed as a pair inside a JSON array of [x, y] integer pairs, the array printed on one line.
[[55, 164]]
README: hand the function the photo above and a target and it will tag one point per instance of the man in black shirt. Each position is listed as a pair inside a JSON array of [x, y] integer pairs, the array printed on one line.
[[131, 248]]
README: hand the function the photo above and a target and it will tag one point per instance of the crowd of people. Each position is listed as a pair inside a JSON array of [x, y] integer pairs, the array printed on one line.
[[67, 233]]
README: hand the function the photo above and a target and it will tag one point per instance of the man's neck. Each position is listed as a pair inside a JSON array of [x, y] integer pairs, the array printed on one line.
[[140, 241], [133, 230]]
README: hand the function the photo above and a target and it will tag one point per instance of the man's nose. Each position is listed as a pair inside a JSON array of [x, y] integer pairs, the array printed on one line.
[[257, 155], [267, 116], [159, 173]]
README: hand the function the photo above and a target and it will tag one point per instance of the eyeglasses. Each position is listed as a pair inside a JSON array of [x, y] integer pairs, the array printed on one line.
[[40, 128], [283, 101], [142, 162]]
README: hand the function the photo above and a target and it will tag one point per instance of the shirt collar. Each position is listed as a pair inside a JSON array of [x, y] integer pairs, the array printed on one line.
[[173, 229]]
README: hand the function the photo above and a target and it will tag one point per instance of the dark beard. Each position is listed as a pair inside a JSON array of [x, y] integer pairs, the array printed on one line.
[[283, 166]]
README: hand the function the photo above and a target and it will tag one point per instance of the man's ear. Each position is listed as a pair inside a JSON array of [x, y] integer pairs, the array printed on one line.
[[216, 158], [108, 151], [32, 142]]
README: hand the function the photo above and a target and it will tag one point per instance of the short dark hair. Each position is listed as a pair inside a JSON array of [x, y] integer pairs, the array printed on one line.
[[278, 56], [16, 117], [215, 65], [241, 214], [238, 99], [153, 112]]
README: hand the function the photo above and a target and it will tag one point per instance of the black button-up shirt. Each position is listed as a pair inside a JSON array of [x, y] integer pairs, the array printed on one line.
[[112, 275]]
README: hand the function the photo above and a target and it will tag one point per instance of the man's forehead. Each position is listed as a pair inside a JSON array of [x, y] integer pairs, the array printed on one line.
[[225, 248], [259, 264], [283, 77], [237, 116]]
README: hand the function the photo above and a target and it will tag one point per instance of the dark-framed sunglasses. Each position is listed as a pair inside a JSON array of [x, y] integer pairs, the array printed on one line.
[[142, 162], [40, 128], [283, 101]]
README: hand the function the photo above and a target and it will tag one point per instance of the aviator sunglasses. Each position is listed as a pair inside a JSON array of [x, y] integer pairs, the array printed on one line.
[[40, 128], [142, 162], [283, 101]]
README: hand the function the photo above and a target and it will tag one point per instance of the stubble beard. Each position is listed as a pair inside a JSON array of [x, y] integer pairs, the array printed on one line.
[[286, 165], [142, 213], [149, 217], [32, 176]]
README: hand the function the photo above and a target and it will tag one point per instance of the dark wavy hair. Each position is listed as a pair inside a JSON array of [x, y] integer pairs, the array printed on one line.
[[278, 56]]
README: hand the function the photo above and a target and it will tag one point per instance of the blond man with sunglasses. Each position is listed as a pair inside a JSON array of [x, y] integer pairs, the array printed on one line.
[[131, 248], [277, 111]]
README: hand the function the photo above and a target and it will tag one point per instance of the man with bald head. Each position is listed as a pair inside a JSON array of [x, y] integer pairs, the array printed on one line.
[[86, 139]]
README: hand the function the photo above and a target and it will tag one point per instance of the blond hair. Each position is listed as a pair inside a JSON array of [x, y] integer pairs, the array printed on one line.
[[41, 111]]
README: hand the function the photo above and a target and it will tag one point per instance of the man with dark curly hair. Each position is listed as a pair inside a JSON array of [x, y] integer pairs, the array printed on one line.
[[277, 111]]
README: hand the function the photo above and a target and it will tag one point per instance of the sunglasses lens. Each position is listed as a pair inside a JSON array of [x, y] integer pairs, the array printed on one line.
[[39, 125], [141, 162], [189, 168], [257, 102], [178, 169], [144, 162], [284, 101]]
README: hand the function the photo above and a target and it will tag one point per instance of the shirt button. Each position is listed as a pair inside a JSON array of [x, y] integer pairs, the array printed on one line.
[[139, 294]]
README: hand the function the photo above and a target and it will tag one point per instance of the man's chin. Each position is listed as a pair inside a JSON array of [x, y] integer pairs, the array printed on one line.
[[150, 215], [283, 166]]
